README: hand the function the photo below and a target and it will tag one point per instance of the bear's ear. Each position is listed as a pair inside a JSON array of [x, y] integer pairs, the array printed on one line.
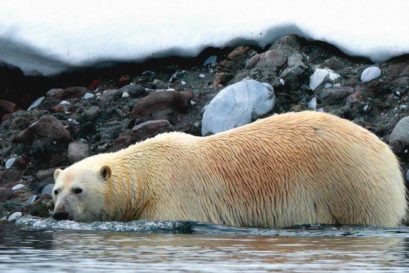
[[105, 172], [57, 173]]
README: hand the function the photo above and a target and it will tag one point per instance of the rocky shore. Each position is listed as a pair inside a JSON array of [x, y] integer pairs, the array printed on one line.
[[65, 124]]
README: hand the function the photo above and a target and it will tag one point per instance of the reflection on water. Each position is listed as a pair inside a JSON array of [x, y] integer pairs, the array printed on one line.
[[28, 249]]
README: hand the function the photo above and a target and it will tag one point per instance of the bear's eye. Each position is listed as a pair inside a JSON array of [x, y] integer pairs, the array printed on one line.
[[76, 190], [56, 192]]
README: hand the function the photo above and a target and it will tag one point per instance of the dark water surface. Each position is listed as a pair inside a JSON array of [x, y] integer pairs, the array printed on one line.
[[44, 245]]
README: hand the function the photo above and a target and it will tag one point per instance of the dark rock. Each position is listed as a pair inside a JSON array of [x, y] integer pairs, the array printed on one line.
[[71, 92], [77, 151], [40, 207], [9, 177], [148, 76], [135, 90], [296, 74], [334, 94], [44, 174], [162, 100], [277, 55], [228, 67], [92, 113], [109, 95], [124, 79], [407, 177], [142, 131], [47, 126], [7, 107], [150, 128], [399, 138], [23, 119]]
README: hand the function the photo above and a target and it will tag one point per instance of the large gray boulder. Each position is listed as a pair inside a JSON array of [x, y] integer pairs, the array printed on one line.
[[236, 105]]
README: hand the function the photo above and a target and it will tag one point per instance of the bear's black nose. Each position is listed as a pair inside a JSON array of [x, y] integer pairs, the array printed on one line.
[[60, 215]]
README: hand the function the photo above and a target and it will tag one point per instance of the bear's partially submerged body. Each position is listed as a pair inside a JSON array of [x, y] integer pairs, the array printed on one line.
[[295, 168]]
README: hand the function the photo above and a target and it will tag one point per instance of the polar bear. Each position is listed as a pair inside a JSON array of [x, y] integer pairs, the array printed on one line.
[[284, 170]]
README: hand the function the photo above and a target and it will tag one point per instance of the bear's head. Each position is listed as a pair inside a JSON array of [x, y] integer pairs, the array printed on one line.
[[79, 191]]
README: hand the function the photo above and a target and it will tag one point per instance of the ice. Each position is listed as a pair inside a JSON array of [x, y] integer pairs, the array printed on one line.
[[51, 36]]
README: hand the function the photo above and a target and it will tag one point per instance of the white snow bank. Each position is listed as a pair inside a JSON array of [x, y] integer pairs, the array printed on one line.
[[51, 36]]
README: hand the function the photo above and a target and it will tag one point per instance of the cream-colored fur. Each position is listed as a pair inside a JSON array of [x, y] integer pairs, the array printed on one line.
[[295, 168]]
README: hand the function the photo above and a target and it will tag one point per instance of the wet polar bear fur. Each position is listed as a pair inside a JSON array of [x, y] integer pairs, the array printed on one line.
[[288, 169]]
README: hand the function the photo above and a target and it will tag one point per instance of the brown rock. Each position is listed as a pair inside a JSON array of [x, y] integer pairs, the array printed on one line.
[[152, 127], [220, 79], [143, 131], [162, 100], [228, 67], [334, 94], [271, 58], [277, 55], [49, 126], [71, 92], [44, 174], [46, 126], [77, 151], [124, 79], [7, 106], [9, 177]]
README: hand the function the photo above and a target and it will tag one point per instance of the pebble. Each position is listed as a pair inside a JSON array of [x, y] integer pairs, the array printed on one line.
[[319, 76], [18, 187], [125, 95], [282, 81], [36, 103], [64, 102], [313, 103], [14, 216], [9, 162], [88, 95], [370, 73], [202, 75]]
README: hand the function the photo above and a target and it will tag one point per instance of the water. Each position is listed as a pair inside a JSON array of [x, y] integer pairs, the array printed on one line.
[[44, 245]]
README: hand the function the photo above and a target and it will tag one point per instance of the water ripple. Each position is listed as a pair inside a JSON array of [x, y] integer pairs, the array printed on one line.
[[191, 227]]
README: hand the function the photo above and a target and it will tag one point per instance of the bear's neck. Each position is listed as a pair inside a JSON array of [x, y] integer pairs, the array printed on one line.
[[129, 191], [126, 195]]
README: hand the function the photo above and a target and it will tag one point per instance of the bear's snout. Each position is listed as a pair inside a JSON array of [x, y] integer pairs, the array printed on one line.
[[61, 215]]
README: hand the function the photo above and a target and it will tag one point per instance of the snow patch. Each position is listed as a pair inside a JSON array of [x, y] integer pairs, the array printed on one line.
[[55, 36]]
